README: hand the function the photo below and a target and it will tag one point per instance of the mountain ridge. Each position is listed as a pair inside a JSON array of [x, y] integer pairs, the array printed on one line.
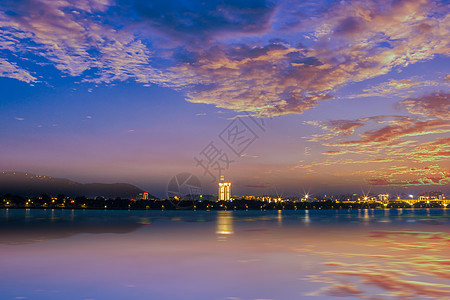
[[29, 184]]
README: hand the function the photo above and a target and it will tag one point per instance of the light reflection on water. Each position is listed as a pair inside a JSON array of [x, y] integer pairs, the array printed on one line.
[[241, 255], [224, 223]]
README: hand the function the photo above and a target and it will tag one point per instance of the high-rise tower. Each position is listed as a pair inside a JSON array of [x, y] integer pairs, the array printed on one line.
[[224, 190]]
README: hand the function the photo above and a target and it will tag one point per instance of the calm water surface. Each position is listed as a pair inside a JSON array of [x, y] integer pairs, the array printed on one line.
[[235, 255]]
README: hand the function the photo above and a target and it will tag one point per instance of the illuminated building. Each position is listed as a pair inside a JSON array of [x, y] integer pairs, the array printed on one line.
[[142, 196], [224, 190], [383, 197]]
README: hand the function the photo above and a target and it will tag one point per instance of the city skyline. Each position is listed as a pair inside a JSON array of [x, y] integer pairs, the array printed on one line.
[[278, 96]]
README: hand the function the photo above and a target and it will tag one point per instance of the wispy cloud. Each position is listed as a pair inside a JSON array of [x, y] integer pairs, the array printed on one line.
[[403, 87], [435, 150], [391, 132], [390, 135], [386, 181], [435, 105], [11, 70]]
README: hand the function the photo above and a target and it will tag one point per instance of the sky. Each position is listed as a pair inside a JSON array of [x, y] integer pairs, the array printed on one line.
[[283, 97]]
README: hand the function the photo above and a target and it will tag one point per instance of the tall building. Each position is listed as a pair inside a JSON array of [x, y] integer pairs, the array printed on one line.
[[224, 190], [383, 197], [142, 196]]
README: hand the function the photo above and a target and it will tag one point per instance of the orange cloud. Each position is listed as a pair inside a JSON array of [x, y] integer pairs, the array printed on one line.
[[431, 151], [391, 133], [410, 182], [411, 143], [335, 128], [410, 176], [391, 88], [341, 290]]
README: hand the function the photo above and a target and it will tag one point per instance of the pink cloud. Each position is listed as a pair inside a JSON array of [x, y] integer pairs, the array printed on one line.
[[435, 105], [311, 58]]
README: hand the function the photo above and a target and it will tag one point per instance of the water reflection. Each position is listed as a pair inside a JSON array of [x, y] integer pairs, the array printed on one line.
[[307, 220], [366, 217], [386, 218], [399, 212], [145, 221], [387, 265], [314, 254], [224, 223], [27, 215], [30, 226]]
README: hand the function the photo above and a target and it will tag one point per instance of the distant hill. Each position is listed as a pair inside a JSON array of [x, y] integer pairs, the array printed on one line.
[[27, 184]]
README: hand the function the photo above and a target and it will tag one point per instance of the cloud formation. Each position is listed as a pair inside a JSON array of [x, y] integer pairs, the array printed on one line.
[[245, 56], [414, 145], [200, 21], [435, 150], [393, 87], [11, 70], [66, 35], [393, 132], [353, 41], [435, 105], [266, 57]]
